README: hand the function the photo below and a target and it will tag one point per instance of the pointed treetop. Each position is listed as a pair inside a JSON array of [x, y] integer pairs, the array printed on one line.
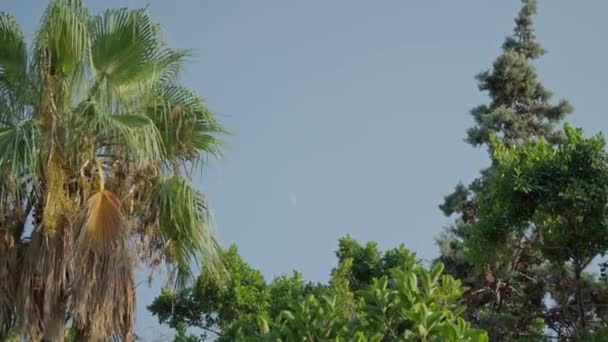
[[520, 107], [524, 40]]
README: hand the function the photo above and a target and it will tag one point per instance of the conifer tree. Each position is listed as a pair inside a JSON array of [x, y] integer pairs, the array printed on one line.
[[506, 297]]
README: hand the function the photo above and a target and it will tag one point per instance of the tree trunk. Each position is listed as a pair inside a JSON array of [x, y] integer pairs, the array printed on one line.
[[494, 334], [54, 328], [579, 295]]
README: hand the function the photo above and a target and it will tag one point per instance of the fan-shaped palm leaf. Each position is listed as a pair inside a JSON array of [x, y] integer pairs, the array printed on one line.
[[62, 47], [19, 154], [185, 227], [185, 123], [13, 65], [132, 136], [13, 54], [104, 224], [129, 56]]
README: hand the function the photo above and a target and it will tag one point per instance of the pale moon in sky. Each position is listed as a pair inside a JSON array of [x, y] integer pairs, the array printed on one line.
[[293, 200]]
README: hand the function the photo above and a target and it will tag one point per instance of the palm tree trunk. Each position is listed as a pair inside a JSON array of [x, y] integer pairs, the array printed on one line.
[[54, 329]]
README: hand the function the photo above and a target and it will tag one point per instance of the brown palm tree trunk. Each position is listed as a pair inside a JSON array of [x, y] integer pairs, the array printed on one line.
[[54, 329]]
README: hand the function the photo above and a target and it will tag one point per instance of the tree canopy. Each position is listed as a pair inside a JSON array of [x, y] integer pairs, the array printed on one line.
[[554, 197], [388, 295]]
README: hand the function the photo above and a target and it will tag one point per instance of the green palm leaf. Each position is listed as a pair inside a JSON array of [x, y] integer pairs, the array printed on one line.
[[132, 134], [64, 31], [19, 150], [13, 53], [186, 125], [204, 136], [13, 65], [137, 134], [185, 227], [129, 56], [129, 135], [62, 47]]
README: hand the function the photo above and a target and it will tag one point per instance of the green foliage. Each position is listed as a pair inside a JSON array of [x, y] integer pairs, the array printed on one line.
[[210, 304], [13, 54], [410, 304], [181, 335], [213, 306], [519, 108], [184, 227], [594, 335], [184, 121], [368, 263], [19, 148], [126, 52], [507, 294], [415, 304], [560, 192], [64, 37], [553, 198], [401, 301]]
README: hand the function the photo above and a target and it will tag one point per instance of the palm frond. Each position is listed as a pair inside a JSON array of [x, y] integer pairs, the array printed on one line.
[[103, 295], [13, 66], [137, 135], [19, 154], [62, 47], [132, 135], [205, 136], [129, 56], [104, 224], [188, 128], [13, 54], [185, 228]]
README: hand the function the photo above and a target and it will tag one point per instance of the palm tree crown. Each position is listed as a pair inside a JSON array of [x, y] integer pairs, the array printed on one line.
[[97, 138]]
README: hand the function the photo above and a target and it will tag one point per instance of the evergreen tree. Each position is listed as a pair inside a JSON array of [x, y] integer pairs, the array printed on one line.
[[519, 109]]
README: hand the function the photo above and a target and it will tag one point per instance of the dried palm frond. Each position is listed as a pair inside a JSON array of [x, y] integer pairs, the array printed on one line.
[[104, 221], [103, 297]]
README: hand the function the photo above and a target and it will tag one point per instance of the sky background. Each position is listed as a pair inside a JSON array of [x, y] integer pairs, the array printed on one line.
[[348, 116]]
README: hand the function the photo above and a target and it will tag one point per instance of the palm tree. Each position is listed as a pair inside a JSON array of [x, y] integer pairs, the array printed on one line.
[[97, 142]]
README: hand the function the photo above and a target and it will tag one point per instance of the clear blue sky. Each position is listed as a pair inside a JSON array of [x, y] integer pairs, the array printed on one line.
[[348, 115]]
